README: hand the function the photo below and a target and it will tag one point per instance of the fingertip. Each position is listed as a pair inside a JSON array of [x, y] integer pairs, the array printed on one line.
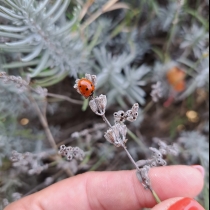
[[179, 204], [184, 181]]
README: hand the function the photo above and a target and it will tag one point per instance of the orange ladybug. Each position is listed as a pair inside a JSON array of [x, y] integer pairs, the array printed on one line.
[[176, 78], [86, 86]]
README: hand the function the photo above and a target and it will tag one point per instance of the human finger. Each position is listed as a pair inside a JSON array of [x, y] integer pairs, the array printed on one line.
[[114, 190]]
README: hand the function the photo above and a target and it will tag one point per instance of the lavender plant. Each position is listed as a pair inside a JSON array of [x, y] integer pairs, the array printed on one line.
[[121, 85], [117, 133], [53, 49], [132, 52]]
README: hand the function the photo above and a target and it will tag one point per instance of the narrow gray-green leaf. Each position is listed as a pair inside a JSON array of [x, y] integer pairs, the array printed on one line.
[[55, 80], [42, 6], [66, 27], [10, 12], [13, 29], [136, 96], [20, 64], [34, 54], [30, 3], [53, 9], [49, 72], [13, 5], [7, 16], [42, 64], [60, 12], [11, 35], [21, 42]]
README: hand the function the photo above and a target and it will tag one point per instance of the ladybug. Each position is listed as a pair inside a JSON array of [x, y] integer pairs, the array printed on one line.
[[86, 86]]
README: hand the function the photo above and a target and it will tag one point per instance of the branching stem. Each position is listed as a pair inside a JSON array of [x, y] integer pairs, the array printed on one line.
[[130, 157]]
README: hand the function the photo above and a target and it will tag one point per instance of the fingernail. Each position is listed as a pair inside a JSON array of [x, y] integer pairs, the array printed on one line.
[[201, 169], [186, 204]]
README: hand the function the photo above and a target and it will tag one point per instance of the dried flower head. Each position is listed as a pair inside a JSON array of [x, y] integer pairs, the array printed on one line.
[[130, 115], [119, 117], [86, 86], [155, 161], [117, 135], [98, 105], [28, 162], [166, 149], [72, 153], [157, 91], [41, 91], [20, 83], [133, 113]]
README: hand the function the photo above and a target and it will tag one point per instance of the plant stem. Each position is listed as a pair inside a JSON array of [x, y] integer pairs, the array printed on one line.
[[172, 31], [106, 121], [65, 98], [49, 135], [155, 196], [131, 158], [44, 124], [124, 147]]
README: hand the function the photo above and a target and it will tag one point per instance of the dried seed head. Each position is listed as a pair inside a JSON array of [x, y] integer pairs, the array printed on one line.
[[157, 92], [117, 135], [28, 162], [156, 153], [119, 117], [92, 78], [71, 153], [161, 162], [41, 91], [144, 175], [98, 105], [20, 83], [132, 115], [166, 149]]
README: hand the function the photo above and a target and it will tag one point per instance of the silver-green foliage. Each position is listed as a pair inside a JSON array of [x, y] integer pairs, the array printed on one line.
[[121, 80], [12, 102], [41, 31], [197, 147]]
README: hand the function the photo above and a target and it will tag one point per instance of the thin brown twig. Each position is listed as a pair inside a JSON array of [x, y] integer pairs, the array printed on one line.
[[44, 124], [49, 135], [66, 98], [109, 6]]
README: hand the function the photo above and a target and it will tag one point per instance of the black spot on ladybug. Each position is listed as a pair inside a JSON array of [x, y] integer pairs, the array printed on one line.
[[87, 89]]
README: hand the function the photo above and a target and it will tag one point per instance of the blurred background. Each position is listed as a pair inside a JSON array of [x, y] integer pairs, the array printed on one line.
[[155, 53]]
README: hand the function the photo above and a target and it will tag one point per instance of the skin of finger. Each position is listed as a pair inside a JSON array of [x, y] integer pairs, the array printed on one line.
[[165, 205], [114, 190]]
